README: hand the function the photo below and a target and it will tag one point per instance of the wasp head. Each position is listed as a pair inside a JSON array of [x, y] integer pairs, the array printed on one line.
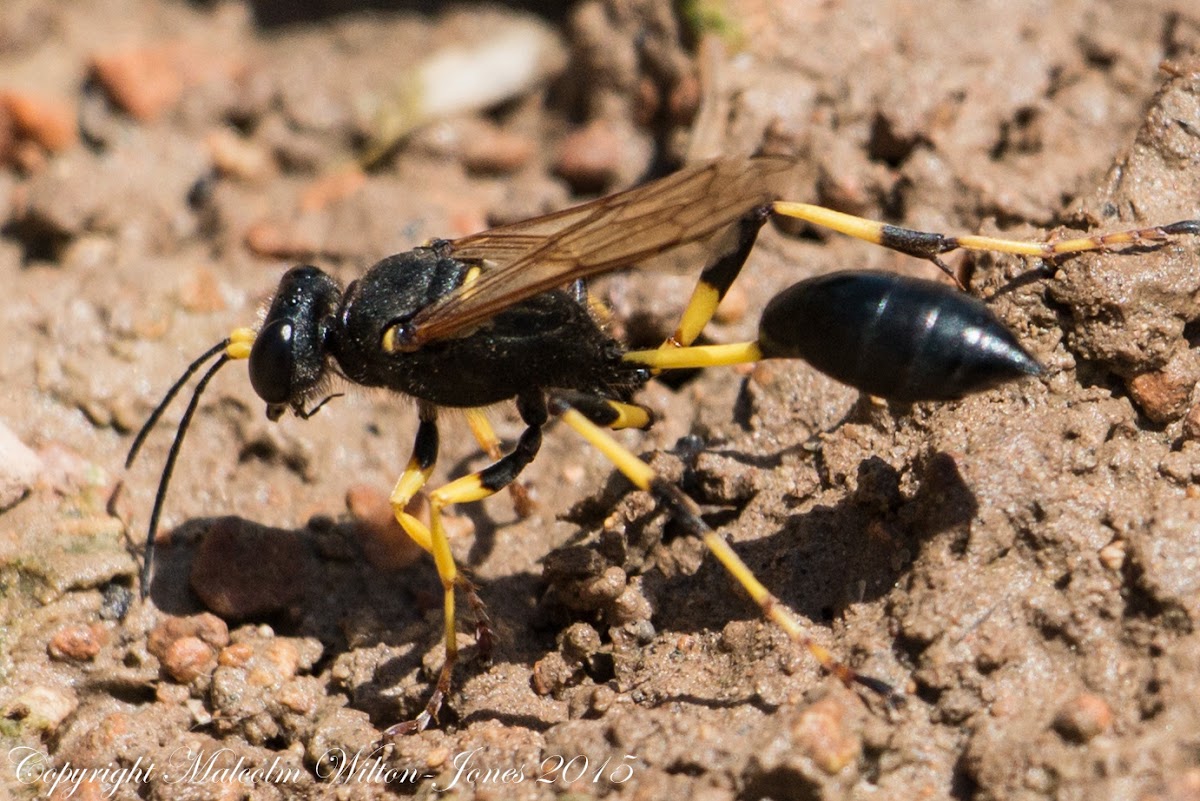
[[288, 358]]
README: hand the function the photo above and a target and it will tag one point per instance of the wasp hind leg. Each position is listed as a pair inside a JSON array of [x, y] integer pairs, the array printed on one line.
[[684, 511], [473, 487], [931, 246], [717, 277]]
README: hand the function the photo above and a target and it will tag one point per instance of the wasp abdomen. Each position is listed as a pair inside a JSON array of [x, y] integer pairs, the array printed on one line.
[[904, 339]]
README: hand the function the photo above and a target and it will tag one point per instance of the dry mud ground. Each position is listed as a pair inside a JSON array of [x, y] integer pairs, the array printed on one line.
[[1023, 563]]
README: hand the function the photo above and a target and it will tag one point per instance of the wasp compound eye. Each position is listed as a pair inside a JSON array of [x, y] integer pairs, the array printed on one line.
[[273, 362], [900, 338]]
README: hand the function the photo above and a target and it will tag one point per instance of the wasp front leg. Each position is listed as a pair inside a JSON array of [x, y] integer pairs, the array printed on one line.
[[432, 538]]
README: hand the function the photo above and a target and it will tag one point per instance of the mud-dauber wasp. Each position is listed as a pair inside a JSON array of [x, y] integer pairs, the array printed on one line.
[[503, 315]]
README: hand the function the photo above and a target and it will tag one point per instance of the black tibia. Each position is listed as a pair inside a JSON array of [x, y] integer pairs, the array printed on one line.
[[724, 271], [922, 244], [598, 410], [497, 476], [900, 338], [547, 340]]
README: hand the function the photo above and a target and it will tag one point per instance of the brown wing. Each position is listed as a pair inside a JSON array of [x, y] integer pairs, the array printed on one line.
[[530, 257]]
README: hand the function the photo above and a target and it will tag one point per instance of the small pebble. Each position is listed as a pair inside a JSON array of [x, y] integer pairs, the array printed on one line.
[[201, 292], [684, 99], [144, 82], [386, 545], [331, 187], [236, 655], [274, 241], [1083, 718], [580, 641], [1164, 395], [206, 626], [284, 656], [41, 707], [78, 642], [1112, 555], [551, 673], [822, 732], [189, 658], [590, 158], [46, 121], [494, 151], [237, 157], [19, 468]]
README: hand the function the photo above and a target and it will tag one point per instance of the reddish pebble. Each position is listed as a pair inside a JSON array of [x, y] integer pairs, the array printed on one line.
[[78, 642], [384, 541], [242, 570], [1165, 395], [590, 158], [284, 657], [49, 122], [274, 241], [144, 82], [202, 292], [332, 187], [206, 626], [684, 100], [236, 655], [8, 137], [189, 658], [1083, 718], [496, 152]]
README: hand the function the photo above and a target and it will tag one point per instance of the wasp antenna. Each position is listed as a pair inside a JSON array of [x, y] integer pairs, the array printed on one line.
[[157, 414], [169, 467]]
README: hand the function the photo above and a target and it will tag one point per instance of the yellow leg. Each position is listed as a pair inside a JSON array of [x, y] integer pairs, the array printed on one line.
[[629, 415], [701, 307], [667, 358], [927, 245], [415, 475], [473, 487], [485, 435], [684, 512]]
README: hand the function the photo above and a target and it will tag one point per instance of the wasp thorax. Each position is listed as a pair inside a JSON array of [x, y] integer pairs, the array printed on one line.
[[287, 360]]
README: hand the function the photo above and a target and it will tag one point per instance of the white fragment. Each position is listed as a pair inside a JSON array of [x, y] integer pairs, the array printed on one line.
[[19, 468], [513, 59]]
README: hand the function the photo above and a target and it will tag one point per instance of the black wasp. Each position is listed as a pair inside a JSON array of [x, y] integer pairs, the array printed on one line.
[[501, 315]]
